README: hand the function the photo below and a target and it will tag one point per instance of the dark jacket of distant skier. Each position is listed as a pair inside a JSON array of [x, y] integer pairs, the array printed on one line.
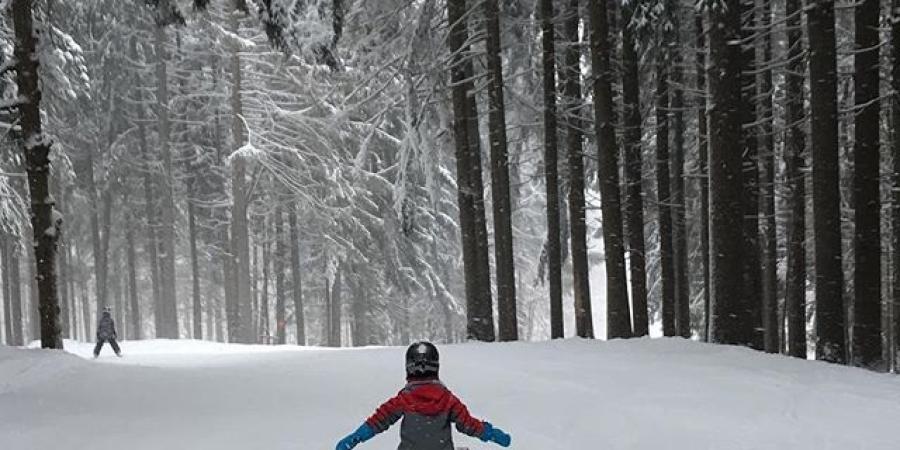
[[106, 328], [106, 332], [427, 408]]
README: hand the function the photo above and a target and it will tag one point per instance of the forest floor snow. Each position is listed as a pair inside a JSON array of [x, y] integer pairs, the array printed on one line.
[[563, 395]]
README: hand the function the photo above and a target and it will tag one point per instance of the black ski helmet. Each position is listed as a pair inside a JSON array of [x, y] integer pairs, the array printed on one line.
[[422, 360]]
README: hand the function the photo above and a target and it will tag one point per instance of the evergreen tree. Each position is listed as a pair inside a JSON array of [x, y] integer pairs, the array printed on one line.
[[663, 188], [618, 311], [749, 318], [830, 320], [44, 223], [468, 171], [795, 178], [634, 201], [573, 104], [583, 321], [769, 242], [703, 163], [895, 144], [867, 347], [678, 197], [726, 207], [503, 237]]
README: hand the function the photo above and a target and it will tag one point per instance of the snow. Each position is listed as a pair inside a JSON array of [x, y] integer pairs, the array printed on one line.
[[563, 395]]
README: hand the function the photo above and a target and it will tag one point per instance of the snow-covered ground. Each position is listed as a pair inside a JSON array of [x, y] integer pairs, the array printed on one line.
[[565, 395]]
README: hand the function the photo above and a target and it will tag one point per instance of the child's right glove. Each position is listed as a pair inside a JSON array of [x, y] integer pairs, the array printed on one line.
[[495, 435]]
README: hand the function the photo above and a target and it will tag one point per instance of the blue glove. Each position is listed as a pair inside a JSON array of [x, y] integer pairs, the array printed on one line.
[[495, 435], [362, 434]]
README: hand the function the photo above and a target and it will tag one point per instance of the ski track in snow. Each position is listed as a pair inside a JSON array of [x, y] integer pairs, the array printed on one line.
[[563, 395]]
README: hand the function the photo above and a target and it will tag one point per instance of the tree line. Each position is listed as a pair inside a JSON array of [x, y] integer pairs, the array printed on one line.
[[347, 173]]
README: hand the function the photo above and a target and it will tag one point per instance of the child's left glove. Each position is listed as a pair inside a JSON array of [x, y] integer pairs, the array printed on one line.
[[362, 434], [495, 435]]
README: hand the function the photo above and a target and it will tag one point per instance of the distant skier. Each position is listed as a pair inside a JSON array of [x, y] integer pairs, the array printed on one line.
[[427, 408], [106, 332]]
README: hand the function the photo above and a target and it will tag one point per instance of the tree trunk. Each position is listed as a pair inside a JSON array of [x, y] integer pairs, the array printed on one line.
[[895, 135], [96, 237], [479, 310], [80, 291], [85, 300], [296, 277], [152, 243], [767, 154], [703, 162], [280, 314], [484, 305], [679, 219], [751, 313], [7, 303], [326, 316], [34, 305], [15, 291], [44, 224], [360, 328], [102, 205], [212, 300], [664, 199], [77, 307], [105, 226], [867, 339], [572, 107], [404, 322], [795, 162], [195, 274], [117, 303], [86, 312], [72, 270], [508, 329], [11, 273], [62, 281], [225, 255], [106, 236], [254, 291], [830, 316], [583, 321], [634, 197], [264, 329], [212, 303], [168, 301], [136, 322], [726, 207], [618, 311], [240, 240], [334, 328]]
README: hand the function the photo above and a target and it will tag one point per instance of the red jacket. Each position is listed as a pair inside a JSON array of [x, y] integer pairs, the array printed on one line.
[[427, 408]]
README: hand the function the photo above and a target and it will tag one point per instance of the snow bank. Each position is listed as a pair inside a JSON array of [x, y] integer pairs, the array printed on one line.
[[563, 395], [21, 369]]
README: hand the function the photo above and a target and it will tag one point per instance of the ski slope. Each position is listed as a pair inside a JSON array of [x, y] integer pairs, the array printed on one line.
[[564, 395]]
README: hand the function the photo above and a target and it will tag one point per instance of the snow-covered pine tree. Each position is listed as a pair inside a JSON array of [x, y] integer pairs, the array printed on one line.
[[45, 222]]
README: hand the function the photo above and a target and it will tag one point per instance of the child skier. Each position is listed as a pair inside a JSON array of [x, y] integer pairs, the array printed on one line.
[[427, 408], [106, 332]]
